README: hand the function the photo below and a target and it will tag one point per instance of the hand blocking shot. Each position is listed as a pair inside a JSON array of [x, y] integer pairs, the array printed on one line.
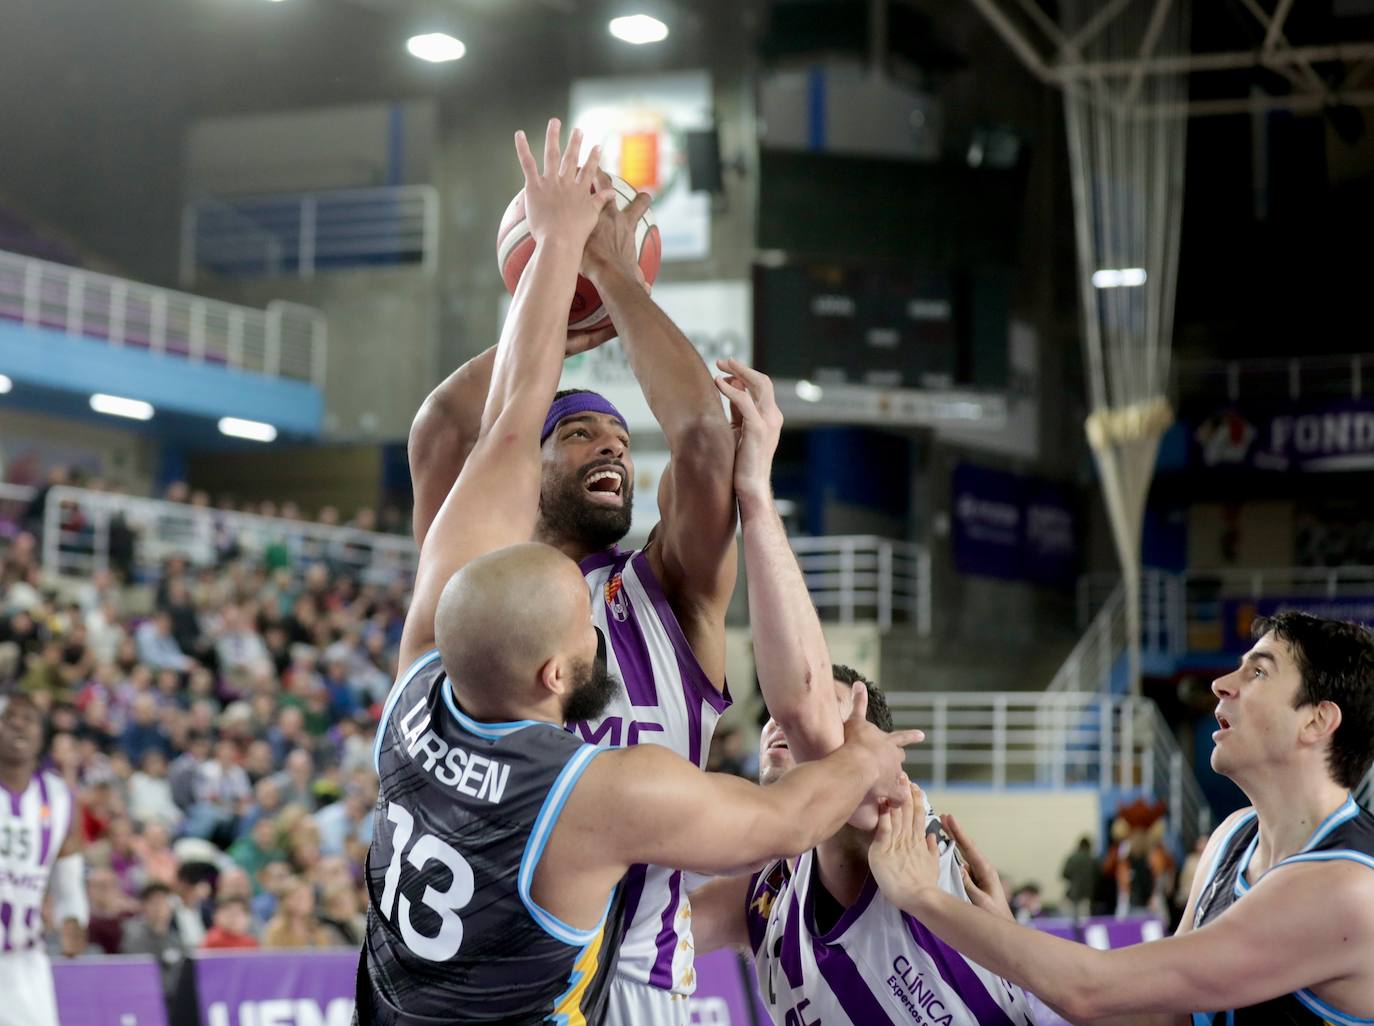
[[496, 872], [827, 946]]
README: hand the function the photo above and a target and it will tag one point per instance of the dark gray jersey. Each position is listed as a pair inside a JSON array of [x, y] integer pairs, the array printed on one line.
[[1347, 835], [463, 814]]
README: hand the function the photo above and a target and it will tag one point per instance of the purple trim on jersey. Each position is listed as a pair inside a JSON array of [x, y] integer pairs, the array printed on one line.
[[626, 638], [845, 981], [31, 926], [6, 914], [692, 673], [661, 976], [761, 883], [16, 800], [634, 890], [959, 975], [599, 559], [44, 822], [860, 906], [789, 957]]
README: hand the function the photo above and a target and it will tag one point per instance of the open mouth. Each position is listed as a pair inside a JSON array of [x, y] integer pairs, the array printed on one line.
[[605, 485], [1224, 726]]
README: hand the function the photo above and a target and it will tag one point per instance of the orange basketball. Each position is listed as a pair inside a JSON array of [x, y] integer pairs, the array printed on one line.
[[515, 246]]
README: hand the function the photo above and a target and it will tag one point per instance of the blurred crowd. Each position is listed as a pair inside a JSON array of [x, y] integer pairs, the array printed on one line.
[[216, 723]]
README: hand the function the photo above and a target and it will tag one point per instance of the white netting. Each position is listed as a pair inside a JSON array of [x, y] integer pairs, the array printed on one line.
[[1127, 168]]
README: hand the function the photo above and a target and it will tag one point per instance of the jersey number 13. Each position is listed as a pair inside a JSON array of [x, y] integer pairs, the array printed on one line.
[[396, 906]]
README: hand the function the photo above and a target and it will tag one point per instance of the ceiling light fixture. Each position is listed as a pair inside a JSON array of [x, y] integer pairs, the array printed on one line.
[[5, 384], [118, 406], [639, 29], [253, 430], [436, 47]]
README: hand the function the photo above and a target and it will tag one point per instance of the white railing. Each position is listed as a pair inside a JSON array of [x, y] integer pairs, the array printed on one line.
[[1311, 377], [301, 233], [84, 531], [285, 340], [1019, 739], [1088, 666], [864, 577], [1173, 604]]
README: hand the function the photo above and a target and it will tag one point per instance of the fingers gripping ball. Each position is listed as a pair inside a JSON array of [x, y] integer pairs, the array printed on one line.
[[515, 246]]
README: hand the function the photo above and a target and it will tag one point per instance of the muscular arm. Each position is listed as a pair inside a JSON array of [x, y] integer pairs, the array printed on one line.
[[1320, 909], [443, 434], [495, 499], [692, 551]]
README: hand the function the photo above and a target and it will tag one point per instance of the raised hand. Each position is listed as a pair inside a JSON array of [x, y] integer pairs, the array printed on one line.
[[887, 748], [903, 858], [757, 422], [562, 202], [612, 245], [981, 879]]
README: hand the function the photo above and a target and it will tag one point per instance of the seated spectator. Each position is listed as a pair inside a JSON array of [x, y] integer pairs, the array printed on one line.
[[257, 848], [157, 647], [154, 932], [110, 907], [150, 792], [145, 733], [221, 791], [295, 924], [124, 858], [288, 734], [342, 912], [296, 781], [267, 804], [238, 648], [192, 891], [155, 852], [346, 825], [181, 775], [272, 881], [343, 698], [258, 762], [231, 929]]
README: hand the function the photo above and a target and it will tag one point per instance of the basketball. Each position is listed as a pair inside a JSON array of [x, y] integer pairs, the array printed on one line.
[[515, 246]]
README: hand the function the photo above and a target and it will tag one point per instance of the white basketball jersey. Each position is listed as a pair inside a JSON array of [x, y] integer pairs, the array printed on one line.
[[33, 827], [875, 966], [666, 699]]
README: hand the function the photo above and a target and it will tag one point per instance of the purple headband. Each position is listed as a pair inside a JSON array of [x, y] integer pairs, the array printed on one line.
[[578, 402]]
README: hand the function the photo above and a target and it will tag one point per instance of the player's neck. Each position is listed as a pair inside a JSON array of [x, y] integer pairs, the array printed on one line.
[[1290, 810], [16, 776], [574, 548], [843, 860]]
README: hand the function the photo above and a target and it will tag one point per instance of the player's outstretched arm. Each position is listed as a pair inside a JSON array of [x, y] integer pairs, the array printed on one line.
[[1321, 910], [646, 804], [692, 550], [70, 906], [494, 501], [791, 657]]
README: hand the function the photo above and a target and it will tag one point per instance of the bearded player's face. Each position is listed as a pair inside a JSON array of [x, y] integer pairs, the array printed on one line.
[[587, 490]]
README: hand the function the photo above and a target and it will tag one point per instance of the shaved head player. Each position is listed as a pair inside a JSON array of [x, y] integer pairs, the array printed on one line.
[[503, 839], [662, 608], [1279, 927]]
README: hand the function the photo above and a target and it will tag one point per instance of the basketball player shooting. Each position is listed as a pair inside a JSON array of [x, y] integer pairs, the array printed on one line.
[[662, 608], [827, 947], [503, 839], [1279, 927], [38, 845]]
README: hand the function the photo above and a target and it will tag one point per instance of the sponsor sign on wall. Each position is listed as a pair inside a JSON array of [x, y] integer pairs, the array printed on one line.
[[1294, 437], [1013, 527]]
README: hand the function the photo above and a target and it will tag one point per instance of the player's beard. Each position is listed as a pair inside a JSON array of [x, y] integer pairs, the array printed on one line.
[[565, 512], [593, 688]]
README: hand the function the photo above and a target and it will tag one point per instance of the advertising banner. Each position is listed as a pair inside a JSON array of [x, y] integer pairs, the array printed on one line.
[[123, 990], [1238, 615], [285, 988], [1012, 527], [1294, 437]]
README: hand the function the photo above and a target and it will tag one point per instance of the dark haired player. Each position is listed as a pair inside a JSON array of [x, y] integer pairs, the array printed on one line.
[[1279, 927], [502, 838], [37, 847], [827, 946]]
